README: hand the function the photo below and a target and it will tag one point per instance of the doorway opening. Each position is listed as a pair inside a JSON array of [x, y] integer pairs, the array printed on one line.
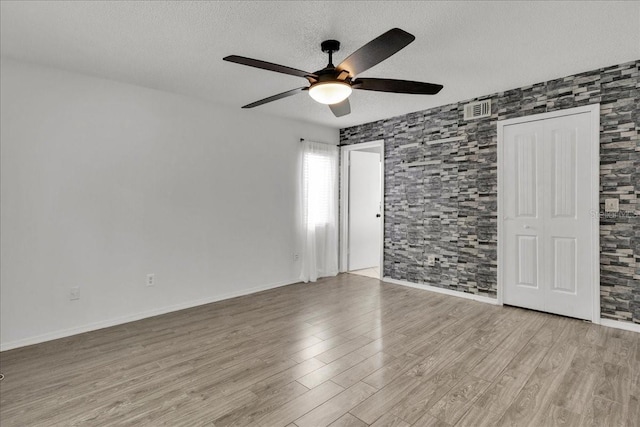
[[362, 209]]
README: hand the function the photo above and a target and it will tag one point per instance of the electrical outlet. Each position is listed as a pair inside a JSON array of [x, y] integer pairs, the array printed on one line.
[[151, 279], [296, 257], [74, 293], [611, 205], [431, 260]]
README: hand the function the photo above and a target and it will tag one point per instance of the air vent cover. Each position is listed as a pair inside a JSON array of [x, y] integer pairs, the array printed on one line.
[[476, 110]]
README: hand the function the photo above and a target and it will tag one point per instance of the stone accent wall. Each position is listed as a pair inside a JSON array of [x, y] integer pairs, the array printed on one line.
[[448, 206]]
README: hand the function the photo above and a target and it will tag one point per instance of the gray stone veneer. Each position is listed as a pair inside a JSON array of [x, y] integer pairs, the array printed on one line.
[[448, 206]]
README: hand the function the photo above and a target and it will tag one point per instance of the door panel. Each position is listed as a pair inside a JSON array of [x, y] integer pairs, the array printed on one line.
[[526, 186], [527, 261], [364, 210], [564, 265], [564, 173], [547, 188]]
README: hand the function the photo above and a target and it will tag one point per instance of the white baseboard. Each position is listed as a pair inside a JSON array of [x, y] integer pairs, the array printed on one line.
[[627, 326], [138, 316], [473, 297]]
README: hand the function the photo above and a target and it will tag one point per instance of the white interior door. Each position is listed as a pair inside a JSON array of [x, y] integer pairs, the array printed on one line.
[[548, 244], [364, 210]]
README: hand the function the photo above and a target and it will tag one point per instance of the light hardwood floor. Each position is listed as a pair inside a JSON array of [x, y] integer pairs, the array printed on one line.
[[373, 272], [346, 351]]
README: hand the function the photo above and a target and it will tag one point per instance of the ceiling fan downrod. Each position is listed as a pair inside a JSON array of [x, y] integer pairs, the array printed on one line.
[[330, 46]]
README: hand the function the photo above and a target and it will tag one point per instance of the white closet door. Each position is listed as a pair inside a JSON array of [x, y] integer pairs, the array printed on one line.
[[547, 224], [523, 223], [567, 216]]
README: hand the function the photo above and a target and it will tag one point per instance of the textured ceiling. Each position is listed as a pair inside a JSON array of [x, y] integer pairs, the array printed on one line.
[[472, 48]]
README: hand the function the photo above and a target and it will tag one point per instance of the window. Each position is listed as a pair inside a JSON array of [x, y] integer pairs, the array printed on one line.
[[318, 180], [319, 225]]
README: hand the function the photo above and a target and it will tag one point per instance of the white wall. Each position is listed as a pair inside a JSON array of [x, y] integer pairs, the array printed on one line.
[[103, 182]]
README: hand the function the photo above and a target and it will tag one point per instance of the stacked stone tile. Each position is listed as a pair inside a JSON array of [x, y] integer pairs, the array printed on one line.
[[441, 185]]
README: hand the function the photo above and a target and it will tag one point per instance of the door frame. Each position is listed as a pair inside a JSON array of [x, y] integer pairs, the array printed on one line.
[[594, 111], [344, 201]]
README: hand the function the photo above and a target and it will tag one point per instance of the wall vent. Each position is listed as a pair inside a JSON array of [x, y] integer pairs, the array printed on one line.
[[476, 110]]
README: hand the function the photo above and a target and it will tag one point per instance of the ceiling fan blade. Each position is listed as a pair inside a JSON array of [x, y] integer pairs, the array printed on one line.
[[269, 66], [397, 86], [276, 97], [341, 108], [376, 51]]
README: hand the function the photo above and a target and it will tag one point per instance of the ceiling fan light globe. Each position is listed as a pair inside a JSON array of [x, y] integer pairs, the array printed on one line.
[[330, 92]]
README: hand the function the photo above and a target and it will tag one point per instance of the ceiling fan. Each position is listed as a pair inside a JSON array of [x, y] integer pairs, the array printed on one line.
[[332, 85]]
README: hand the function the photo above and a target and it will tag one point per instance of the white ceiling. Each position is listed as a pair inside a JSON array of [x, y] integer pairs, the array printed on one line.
[[472, 48]]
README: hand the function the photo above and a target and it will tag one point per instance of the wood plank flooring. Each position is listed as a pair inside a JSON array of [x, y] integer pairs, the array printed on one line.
[[346, 351]]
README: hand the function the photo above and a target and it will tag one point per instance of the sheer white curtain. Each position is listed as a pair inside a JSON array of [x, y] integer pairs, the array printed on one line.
[[319, 219]]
